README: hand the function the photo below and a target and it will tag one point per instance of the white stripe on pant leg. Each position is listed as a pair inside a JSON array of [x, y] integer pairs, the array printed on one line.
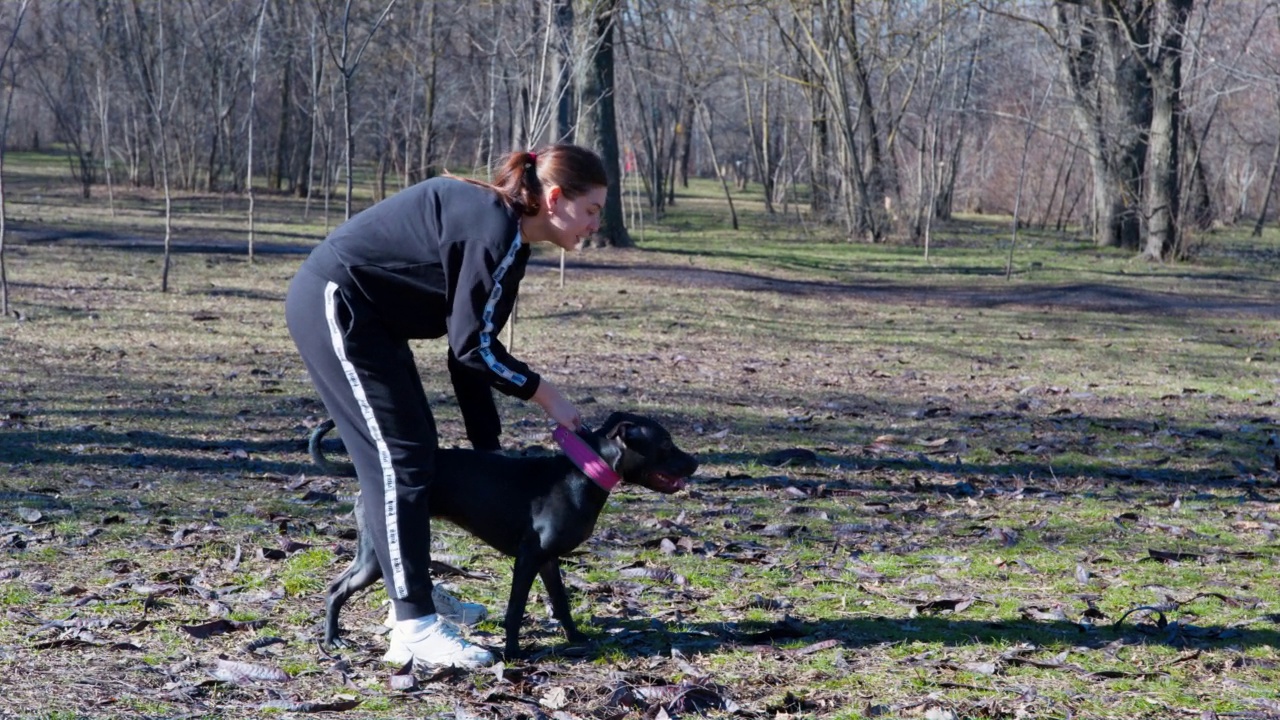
[[384, 455]]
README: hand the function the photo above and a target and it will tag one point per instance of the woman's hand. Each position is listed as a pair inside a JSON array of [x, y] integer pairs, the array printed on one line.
[[556, 406]]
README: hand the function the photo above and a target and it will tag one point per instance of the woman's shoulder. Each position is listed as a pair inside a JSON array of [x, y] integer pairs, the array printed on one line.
[[470, 208], [454, 185]]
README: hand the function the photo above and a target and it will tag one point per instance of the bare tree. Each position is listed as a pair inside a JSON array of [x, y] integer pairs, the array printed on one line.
[[888, 111], [253, 94], [6, 64], [657, 95], [613, 230], [825, 38], [144, 46], [1160, 45], [704, 118], [61, 79], [546, 89], [1031, 121], [347, 61]]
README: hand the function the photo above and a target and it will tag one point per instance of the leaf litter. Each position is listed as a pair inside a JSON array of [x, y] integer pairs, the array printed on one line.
[[917, 540]]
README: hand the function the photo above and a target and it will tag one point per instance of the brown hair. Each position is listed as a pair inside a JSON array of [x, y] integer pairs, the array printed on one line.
[[522, 175]]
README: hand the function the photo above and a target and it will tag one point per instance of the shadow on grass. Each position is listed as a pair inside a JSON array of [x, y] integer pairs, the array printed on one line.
[[1034, 473], [144, 449], [1086, 296], [857, 465], [215, 242], [794, 637]]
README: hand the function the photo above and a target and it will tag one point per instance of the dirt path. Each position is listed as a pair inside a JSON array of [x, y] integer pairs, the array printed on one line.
[[1085, 296], [1100, 297]]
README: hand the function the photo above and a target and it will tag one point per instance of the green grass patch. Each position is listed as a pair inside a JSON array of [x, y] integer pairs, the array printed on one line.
[[1048, 495]]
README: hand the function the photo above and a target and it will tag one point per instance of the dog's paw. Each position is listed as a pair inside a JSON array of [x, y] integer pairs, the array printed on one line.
[[337, 643]]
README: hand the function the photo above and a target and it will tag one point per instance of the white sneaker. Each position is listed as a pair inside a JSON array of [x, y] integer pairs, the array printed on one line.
[[463, 613], [434, 641], [453, 609]]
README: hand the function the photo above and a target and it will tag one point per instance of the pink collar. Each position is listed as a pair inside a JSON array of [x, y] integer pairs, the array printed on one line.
[[585, 458]]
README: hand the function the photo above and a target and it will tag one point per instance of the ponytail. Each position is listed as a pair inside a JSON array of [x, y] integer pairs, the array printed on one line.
[[523, 175]]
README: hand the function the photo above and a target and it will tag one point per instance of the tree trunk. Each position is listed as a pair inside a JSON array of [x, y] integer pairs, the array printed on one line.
[[1269, 189], [1165, 73], [253, 94], [874, 186], [613, 230], [1197, 203], [10, 86], [705, 117], [1162, 189], [285, 145], [819, 156], [686, 139], [565, 111], [944, 200], [1111, 91]]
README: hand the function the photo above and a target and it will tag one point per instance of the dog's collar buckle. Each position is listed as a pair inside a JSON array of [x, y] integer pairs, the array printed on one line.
[[586, 459]]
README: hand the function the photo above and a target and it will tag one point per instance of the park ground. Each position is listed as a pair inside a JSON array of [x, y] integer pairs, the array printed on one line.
[[927, 490]]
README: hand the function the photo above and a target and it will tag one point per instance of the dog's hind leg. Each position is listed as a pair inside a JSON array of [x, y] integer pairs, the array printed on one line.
[[554, 583], [363, 572]]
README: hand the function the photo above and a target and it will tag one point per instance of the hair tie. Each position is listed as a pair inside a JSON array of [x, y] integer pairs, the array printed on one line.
[[533, 157]]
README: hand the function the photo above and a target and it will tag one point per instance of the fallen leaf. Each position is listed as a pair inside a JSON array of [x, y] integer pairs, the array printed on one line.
[[403, 680], [234, 671], [814, 648], [556, 698], [310, 707], [1004, 536], [1165, 556], [664, 575], [1053, 614], [945, 605], [1082, 574]]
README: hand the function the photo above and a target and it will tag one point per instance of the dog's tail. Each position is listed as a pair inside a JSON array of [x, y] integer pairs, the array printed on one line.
[[317, 453]]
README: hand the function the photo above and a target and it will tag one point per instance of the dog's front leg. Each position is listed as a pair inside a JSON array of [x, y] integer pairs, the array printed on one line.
[[526, 569], [554, 583]]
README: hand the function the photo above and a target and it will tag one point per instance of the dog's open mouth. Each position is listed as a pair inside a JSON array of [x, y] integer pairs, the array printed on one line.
[[664, 483]]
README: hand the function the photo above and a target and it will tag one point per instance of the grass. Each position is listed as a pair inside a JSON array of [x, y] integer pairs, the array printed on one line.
[[1001, 471]]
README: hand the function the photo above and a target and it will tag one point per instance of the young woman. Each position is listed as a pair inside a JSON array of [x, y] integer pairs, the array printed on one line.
[[442, 258]]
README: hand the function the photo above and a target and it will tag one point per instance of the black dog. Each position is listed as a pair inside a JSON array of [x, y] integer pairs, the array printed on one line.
[[535, 509]]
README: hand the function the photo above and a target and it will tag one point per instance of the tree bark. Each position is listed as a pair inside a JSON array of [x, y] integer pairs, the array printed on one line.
[[874, 188], [10, 86], [566, 113], [1163, 201], [1112, 100], [1268, 190], [613, 230]]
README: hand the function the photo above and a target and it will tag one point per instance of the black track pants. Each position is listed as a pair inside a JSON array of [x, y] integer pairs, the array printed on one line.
[[368, 382]]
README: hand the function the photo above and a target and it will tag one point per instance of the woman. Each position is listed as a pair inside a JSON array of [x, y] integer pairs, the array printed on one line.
[[444, 257]]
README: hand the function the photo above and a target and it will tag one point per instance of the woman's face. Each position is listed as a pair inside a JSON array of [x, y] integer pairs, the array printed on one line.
[[572, 220]]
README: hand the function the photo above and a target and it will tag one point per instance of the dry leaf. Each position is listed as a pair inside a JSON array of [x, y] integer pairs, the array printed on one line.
[[234, 671], [310, 707], [218, 627]]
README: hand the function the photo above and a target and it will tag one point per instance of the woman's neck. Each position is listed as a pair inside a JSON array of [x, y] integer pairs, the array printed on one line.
[[533, 228]]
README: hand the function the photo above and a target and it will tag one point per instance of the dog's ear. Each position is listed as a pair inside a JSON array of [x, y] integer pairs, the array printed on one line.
[[616, 426]]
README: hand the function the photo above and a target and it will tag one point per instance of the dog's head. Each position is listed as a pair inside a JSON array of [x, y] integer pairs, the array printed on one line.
[[644, 454]]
